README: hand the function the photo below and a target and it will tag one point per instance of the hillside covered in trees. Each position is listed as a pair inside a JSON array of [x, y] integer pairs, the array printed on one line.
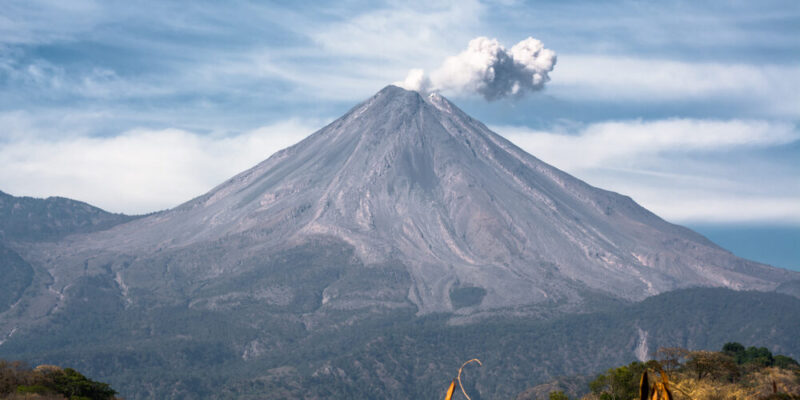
[[400, 356]]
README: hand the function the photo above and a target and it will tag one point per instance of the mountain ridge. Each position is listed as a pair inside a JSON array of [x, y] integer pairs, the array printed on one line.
[[30, 219]]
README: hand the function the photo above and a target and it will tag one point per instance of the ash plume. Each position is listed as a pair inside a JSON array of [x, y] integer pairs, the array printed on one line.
[[489, 69]]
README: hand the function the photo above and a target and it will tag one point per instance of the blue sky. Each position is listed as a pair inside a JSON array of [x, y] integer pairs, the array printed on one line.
[[691, 108]]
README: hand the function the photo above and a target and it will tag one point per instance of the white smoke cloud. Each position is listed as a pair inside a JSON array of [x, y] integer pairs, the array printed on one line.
[[489, 69]]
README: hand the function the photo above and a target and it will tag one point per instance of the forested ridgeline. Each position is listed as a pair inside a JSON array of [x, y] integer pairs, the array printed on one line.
[[48, 382]]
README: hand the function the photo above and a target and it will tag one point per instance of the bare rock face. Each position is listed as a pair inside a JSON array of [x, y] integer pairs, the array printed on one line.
[[405, 201]]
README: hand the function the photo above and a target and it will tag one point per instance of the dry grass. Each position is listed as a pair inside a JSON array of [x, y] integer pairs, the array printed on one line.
[[753, 386]]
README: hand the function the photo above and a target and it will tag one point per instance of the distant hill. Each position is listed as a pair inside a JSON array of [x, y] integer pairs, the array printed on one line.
[[31, 219], [27, 219]]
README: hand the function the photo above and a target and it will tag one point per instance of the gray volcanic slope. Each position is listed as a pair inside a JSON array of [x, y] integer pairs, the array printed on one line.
[[439, 211]]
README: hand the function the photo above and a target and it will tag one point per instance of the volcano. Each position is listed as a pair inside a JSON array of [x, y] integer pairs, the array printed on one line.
[[443, 213], [403, 210]]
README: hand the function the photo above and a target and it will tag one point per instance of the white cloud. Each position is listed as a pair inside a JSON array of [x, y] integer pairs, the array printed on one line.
[[44, 79], [772, 89], [406, 31], [356, 55], [684, 170], [599, 144], [42, 21], [21, 125], [693, 205], [140, 170], [349, 57]]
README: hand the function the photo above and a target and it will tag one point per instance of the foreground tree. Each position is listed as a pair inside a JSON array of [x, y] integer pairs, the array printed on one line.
[[558, 395], [671, 358], [712, 364], [618, 383]]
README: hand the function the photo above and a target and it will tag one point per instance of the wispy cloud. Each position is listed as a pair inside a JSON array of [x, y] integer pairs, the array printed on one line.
[[403, 32], [611, 143], [140, 170], [42, 21], [773, 89], [352, 56], [683, 169]]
